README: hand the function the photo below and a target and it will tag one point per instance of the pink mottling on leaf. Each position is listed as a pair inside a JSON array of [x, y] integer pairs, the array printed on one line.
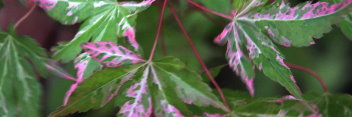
[[235, 54], [312, 43], [75, 20], [315, 115], [308, 11], [111, 55], [69, 92], [143, 3], [170, 109], [250, 85], [287, 97], [293, 78], [220, 38], [214, 115], [282, 4], [271, 33], [252, 48], [69, 13], [285, 42], [72, 5], [281, 61], [137, 106], [123, 81], [81, 67], [130, 34], [46, 4], [290, 97]]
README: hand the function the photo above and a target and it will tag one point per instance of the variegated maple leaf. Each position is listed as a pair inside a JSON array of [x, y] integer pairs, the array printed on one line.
[[103, 20], [111, 55], [249, 36], [21, 58], [107, 53], [160, 88], [346, 23]]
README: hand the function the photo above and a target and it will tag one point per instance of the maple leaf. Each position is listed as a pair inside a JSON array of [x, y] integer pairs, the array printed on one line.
[[111, 55], [330, 105], [346, 23], [249, 36], [19, 89], [103, 20], [107, 53], [163, 87]]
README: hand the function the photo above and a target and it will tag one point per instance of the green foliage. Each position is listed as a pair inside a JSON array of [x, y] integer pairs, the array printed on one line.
[[104, 20], [112, 73], [332, 105], [309, 20], [19, 89], [165, 84]]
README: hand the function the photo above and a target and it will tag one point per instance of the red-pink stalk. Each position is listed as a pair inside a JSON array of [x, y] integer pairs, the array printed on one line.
[[200, 60], [316, 76], [158, 31], [25, 16], [208, 10]]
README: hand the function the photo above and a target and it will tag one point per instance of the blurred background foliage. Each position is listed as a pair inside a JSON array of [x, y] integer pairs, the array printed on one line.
[[330, 57]]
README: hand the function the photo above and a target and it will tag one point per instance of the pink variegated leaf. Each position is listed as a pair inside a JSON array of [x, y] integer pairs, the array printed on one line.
[[238, 61], [141, 105], [85, 67], [248, 47], [248, 36], [160, 88], [305, 21], [102, 20], [111, 55]]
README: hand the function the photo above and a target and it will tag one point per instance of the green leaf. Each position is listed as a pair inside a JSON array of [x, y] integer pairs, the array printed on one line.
[[247, 47], [332, 105], [249, 35], [166, 85], [305, 21], [19, 89], [103, 20], [346, 24]]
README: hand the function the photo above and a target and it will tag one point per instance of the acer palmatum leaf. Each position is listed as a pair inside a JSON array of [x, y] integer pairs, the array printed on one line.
[[249, 35], [163, 87], [111, 55], [102, 20]]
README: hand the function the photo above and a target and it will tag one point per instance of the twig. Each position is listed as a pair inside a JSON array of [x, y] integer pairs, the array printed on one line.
[[316, 76], [158, 32], [25, 16], [195, 51], [208, 10]]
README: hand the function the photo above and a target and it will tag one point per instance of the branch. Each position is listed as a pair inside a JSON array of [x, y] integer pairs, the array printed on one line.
[[158, 32], [195, 51], [208, 10], [25, 16], [316, 76]]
